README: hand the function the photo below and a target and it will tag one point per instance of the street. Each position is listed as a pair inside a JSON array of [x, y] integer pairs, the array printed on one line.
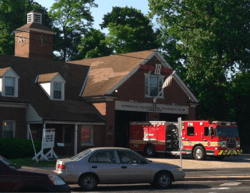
[[195, 186]]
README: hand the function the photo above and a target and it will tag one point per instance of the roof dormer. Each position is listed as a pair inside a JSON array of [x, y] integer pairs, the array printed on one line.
[[34, 17], [53, 84], [8, 82]]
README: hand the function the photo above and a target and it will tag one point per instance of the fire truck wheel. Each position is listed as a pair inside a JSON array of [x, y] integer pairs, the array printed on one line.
[[163, 180], [150, 151], [219, 158], [199, 153]]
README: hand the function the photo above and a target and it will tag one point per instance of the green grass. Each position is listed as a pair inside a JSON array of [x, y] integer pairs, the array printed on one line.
[[33, 163]]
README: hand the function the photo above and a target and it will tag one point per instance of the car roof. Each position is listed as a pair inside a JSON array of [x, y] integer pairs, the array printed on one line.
[[109, 148]]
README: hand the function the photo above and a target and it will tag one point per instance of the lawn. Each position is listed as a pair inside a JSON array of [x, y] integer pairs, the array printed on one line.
[[33, 163]]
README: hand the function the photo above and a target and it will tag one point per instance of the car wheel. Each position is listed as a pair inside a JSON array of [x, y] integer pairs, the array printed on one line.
[[88, 182], [199, 153], [150, 151], [219, 158], [163, 180]]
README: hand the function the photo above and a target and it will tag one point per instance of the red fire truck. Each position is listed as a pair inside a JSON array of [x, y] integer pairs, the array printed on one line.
[[199, 138]]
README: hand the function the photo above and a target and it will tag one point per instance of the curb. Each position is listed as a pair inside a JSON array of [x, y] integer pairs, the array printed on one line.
[[214, 178]]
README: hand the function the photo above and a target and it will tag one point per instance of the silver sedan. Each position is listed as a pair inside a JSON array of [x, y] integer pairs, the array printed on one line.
[[111, 165]]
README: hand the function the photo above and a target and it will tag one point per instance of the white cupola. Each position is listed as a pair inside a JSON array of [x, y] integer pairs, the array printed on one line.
[[34, 17]]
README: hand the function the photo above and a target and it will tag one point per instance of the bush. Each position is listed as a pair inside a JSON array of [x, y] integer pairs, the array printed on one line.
[[15, 148]]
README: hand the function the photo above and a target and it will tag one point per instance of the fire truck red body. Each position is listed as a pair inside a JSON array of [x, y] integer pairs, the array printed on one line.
[[199, 138]]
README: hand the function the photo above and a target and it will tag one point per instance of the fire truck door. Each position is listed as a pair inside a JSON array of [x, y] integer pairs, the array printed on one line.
[[190, 135]]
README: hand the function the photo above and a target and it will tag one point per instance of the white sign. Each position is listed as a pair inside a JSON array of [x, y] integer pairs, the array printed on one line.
[[48, 138], [157, 68], [47, 142], [148, 107]]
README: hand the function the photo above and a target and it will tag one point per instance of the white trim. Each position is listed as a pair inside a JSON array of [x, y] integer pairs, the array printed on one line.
[[36, 30], [71, 122], [15, 74], [75, 141], [131, 73], [166, 65], [85, 82], [62, 89], [177, 78], [36, 80], [160, 77], [59, 77], [10, 73], [14, 105], [14, 127]]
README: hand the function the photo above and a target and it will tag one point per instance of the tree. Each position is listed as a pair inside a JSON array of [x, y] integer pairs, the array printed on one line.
[[214, 36], [93, 45], [13, 14], [240, 105], [129, 30], [71, 20]]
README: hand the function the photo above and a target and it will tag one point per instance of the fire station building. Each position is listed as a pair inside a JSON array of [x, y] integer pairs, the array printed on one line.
[[122, 87], [89, 102]]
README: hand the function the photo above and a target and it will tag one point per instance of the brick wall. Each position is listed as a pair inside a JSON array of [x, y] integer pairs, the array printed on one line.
[[14, 114], [32, 46], [134, 89]]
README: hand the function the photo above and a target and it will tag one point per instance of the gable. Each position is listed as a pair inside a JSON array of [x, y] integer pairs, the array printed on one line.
[[150, 66], [110, 70]]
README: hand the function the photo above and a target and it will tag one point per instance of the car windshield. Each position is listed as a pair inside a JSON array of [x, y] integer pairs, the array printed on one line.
[[227, 131], [81, 155], [9, 163]]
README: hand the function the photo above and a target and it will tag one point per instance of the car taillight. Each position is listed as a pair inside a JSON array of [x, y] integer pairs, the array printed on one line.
[[61, 166]]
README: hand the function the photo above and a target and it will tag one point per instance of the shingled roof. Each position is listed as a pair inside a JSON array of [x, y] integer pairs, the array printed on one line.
[[33, 26], [108, 71], [3, 71], [46, 77], [72, 109]]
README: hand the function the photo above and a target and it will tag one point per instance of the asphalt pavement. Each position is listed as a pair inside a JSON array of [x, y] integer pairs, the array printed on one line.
[[235, 186], [232, 168]]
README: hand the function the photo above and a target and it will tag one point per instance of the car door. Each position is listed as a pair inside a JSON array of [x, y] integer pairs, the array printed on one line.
[[134, 169], [104, 164]]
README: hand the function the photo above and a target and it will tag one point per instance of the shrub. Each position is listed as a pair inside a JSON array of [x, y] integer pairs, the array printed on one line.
[[15, 148]]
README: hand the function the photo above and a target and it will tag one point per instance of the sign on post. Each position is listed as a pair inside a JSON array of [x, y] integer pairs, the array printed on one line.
[[48, 141]]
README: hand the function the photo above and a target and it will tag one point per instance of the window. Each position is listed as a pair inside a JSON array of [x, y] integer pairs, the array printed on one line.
[[130, 158], [190, 131], [9, 86], [8, 129], [57, 90], [208, 131], [153, 84], [86, 135], [103, 157]]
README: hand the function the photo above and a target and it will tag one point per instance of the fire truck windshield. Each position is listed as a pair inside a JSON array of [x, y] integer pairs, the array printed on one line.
[[227, 131]]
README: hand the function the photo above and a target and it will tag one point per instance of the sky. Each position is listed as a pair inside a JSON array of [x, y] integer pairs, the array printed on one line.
[[105, 6]]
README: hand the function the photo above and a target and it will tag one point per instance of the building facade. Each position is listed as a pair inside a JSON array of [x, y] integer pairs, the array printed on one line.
[[89, 102]]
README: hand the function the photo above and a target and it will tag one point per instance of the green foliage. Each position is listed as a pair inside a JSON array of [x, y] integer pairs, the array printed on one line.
[[240, 93], [71, 20], [129, 30], [92, 45], [13, 14], [212, 38], [14, 148]]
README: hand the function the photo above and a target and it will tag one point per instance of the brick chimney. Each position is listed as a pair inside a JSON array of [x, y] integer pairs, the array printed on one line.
[[34, 40]]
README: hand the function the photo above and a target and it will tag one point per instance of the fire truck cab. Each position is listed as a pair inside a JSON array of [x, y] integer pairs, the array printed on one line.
[[199, 138]]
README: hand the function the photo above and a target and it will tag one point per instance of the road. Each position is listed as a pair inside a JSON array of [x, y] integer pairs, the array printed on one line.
[[242, 186]]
